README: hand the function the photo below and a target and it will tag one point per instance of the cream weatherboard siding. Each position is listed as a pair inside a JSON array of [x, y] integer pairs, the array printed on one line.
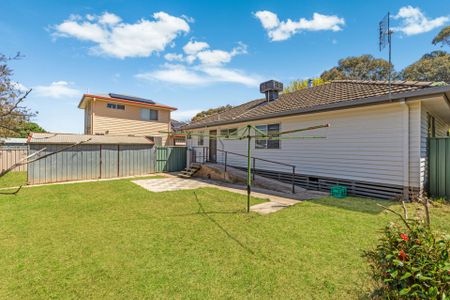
[[128, 121], [363, 144]]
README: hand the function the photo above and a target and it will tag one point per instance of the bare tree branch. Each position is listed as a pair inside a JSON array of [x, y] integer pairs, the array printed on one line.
[[396, 213], [15, 106]]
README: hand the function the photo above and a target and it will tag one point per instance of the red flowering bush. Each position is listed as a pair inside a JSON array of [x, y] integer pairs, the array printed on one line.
[[411, 262]]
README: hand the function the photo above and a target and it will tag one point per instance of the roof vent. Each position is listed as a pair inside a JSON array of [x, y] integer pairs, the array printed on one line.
[[271, 88]]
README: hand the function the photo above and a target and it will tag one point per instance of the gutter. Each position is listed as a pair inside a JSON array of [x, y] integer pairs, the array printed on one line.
[[333, 106]]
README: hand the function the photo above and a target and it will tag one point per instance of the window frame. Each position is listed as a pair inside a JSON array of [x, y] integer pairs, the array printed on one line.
[[267, 143], [228, 132], [149, 111], [201, 139], [116, 106]]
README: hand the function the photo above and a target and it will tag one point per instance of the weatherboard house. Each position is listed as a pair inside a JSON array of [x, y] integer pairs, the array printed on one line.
[[376, 144], [117, 114]]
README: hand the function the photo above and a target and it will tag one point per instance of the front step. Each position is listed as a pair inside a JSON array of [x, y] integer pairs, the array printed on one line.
[[190, 171]]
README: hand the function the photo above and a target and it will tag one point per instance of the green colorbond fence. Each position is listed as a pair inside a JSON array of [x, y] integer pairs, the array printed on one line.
[[439, 167], [170, 159]]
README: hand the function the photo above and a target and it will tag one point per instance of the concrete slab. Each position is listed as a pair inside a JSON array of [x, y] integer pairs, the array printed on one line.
[[170, 184], [269, 207], [277, 200]]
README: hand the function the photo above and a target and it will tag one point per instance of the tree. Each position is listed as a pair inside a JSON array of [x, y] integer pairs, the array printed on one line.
[[434, 66], [297, 85], [209, 112], [443, 37], [364, 67], [29, 127], [13, 116]]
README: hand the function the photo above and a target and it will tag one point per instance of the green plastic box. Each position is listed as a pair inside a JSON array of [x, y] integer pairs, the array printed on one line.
[[338, 191]]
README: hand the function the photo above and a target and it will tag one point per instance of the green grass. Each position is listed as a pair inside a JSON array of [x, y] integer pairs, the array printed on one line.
[[13, 179], [114, 239]]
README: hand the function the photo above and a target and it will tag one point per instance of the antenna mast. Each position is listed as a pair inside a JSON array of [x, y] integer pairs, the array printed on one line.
[[385, 37]]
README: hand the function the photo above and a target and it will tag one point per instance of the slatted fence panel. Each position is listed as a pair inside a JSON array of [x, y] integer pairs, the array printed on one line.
[[439, 167], [85, 162], [9, 155]]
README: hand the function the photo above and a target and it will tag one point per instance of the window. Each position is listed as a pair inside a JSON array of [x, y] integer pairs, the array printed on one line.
[[201, 139], [149, 114], [232, 132], [115, 106], [267, 142]]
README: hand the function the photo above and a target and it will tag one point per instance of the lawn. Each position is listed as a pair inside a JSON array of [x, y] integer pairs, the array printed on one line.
[[113, 239], [13, 179]]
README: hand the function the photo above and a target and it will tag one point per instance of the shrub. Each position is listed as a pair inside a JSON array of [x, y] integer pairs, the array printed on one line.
[[411, 262]]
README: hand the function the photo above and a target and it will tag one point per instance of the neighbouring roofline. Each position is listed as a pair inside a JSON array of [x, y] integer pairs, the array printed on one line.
[[334, 106], [105, 98]]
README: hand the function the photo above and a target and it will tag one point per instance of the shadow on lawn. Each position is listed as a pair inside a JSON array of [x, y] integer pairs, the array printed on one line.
[[201, 210], [363, 205]]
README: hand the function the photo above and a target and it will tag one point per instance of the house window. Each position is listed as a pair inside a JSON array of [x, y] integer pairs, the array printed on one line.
[[267, 142], [201, 139], [115, 106], [232, 132], [149, 114]]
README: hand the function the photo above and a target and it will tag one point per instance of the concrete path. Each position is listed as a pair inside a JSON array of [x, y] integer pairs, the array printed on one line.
[[277, 200], [170, 184]]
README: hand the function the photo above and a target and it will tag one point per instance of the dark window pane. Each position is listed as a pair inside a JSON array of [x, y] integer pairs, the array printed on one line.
[[273, 144], [153, 114], [261, 143], [273, 129]]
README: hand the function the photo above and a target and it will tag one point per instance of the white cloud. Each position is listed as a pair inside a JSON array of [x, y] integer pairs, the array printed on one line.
[[201, 51], [19, 87], [109, 19], [57, 89], [184, 115], [118, 39], [201, 66], [199, 75], [282, 30], [193, 47], [268, 19], [414, 21], [178, 74], [173, 57]]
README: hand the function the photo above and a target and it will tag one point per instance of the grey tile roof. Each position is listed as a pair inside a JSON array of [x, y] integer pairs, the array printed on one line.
[[338, 91], [69, 138]]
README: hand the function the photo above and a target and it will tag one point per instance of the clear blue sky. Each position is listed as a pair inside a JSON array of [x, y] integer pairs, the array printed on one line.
[[194, 54]]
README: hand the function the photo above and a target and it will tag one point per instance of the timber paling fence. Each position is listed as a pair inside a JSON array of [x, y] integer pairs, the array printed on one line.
[[84, 162], [9, 155]]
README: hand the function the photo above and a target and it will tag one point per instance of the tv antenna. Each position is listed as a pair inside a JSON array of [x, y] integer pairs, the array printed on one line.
[[385, 38]]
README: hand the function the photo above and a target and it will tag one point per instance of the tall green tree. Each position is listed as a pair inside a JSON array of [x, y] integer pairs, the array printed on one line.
[[443, 37], [434, 66], [210, 112], [13, 116], [297, 85], [29, 127], [364, 67]]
